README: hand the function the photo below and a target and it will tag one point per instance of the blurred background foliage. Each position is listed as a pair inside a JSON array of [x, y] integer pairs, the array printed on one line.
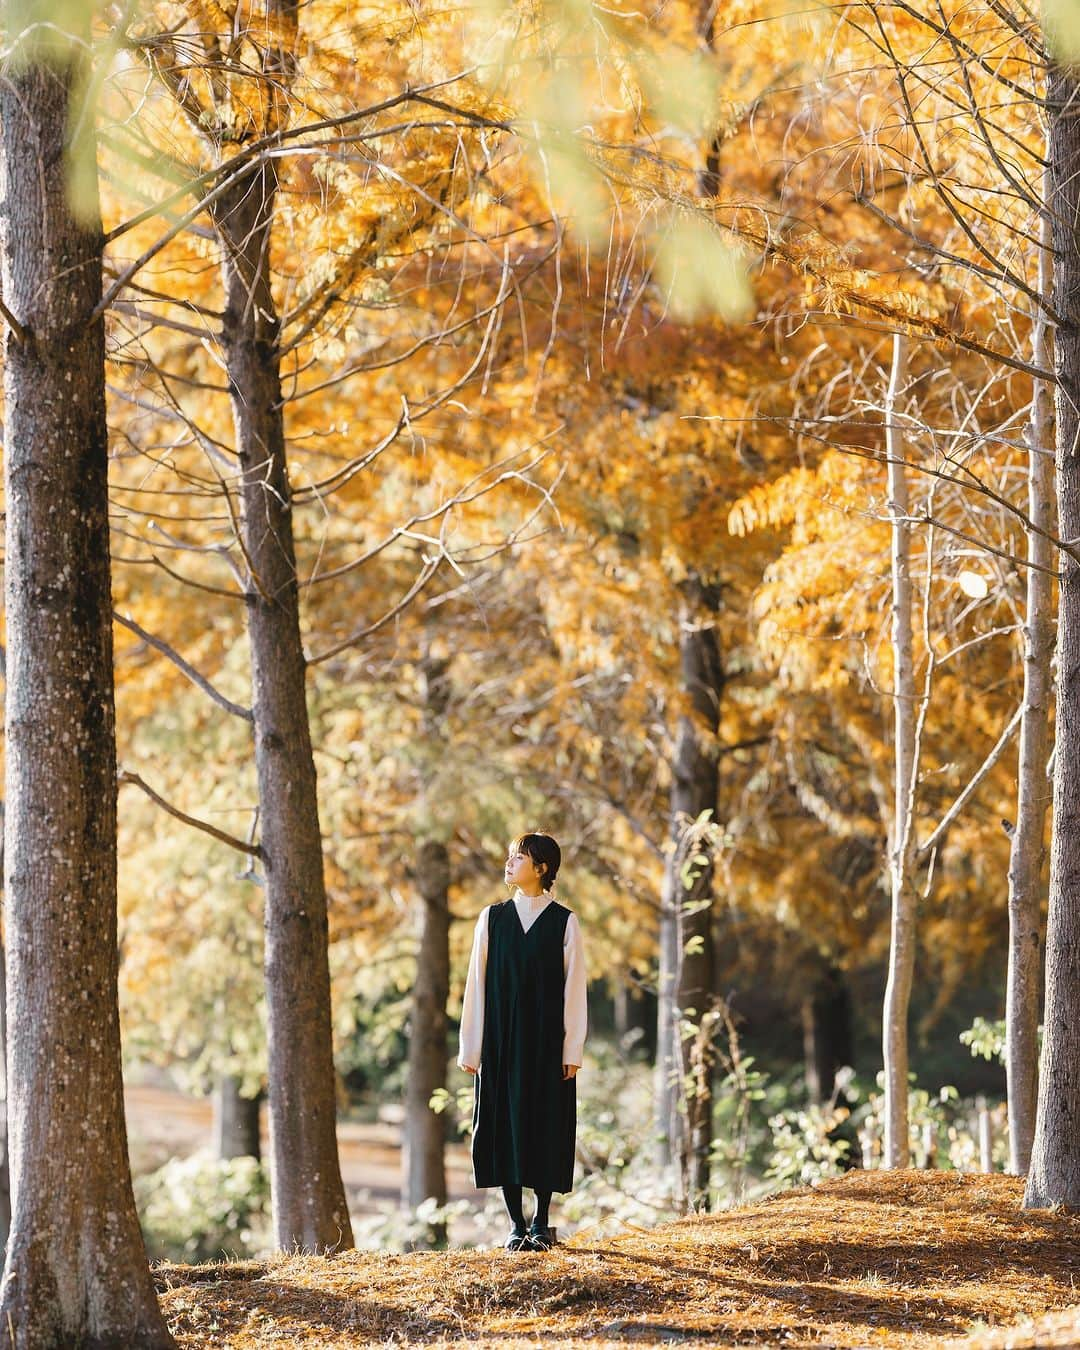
[[608, 311]]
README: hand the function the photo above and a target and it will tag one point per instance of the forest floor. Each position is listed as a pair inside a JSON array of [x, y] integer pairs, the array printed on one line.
[[900, 1259]]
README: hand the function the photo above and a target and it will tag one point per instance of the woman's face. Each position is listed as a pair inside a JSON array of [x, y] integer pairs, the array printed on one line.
[[520, 870]]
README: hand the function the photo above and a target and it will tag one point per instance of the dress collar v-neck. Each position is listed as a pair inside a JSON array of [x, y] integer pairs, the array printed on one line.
[[532, 905]]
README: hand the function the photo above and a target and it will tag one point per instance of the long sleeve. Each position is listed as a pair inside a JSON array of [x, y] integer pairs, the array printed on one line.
[[575, 1008], [472, 1007]]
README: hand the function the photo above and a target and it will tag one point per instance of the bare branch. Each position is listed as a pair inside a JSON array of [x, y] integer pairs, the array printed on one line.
[[185, 667], [255, 850], [965, 796], [430, 567], [12, 322]]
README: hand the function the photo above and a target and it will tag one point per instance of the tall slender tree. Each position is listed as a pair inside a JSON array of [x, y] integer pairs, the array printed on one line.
[[902, 834], [1054, 1173], [1028, 847], [424, 1154], [76, 1271], [684, 1087], [308, 1196]]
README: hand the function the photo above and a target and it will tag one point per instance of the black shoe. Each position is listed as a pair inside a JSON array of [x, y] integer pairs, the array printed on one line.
[[539, 1239], [517, 1240]]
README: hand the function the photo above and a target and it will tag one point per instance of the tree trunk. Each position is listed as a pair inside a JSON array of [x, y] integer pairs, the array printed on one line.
[[1054, 1172], [686, 920], [902, 841], [5, 1169], [666, 1090], [76, 1272], [1033, 791], [236, 1121], [308, 1197], [423, 1158], [5, 1162], [632, 1028], [827, 1034], [424, 1141]]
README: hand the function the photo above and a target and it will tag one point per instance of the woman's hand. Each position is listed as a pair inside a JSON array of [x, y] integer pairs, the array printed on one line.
[[468, 1068], [570, 1070]]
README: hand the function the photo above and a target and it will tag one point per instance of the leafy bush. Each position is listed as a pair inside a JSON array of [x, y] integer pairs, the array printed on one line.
[[203, 1208], [986, 1039], [805, 1146]]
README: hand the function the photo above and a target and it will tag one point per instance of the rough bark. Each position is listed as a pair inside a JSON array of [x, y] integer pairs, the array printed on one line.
[[236, 1121], [683, 1083], [5, 1169], [1054, 1172], [1033, 791], [902, 840], [76, 1273], [308, 1196]]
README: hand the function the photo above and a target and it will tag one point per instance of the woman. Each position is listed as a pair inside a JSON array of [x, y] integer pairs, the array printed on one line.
[[523, 1026]]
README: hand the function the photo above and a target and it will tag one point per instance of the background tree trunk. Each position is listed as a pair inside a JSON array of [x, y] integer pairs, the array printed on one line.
[[828, 1033], [236, 1120], [5, 1161], [686, 918], [666, 1090], [424, 1141], [632, 1017], [308, 1196], [1033, 791], [1054, 1173], [424, 1151], [76, 1272], [902, 841], [5, 1169]]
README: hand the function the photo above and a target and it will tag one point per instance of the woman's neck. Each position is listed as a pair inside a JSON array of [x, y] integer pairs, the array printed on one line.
[[533, 895]]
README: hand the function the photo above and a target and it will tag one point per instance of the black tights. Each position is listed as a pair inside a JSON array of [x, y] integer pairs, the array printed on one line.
[[512, 1200]]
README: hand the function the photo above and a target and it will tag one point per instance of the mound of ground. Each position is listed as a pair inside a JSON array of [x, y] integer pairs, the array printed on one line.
[[897, 1259], [1053, 1331]]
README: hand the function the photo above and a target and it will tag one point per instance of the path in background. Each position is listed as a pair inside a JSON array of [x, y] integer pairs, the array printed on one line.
[[163, 1123]]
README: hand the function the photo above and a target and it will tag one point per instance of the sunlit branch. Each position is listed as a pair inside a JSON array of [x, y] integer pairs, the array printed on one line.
[[427, 571], [920, 16], [944, 196], [184, 666], [421, 343], [962, 800], [237, 165], [242, 845], [18, 331], [938, 251], [155, 561]]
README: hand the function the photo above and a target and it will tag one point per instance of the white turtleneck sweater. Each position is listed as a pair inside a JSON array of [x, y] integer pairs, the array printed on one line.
[[575, 1014]]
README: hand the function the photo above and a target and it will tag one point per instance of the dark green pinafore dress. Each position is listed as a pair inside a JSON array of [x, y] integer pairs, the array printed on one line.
[[524, 1114]]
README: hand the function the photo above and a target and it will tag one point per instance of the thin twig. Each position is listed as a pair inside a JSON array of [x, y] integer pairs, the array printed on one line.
[[12, 322], [965, 796]]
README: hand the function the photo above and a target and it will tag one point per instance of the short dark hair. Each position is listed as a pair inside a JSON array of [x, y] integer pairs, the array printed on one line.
[[544, 852]]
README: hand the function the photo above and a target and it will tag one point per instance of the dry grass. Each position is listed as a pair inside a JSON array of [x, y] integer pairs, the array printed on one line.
[[1060, 1330], [902, 1259]]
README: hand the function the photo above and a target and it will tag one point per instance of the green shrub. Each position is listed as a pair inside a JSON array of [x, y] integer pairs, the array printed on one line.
[[806, 1148], [203, 1208]]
